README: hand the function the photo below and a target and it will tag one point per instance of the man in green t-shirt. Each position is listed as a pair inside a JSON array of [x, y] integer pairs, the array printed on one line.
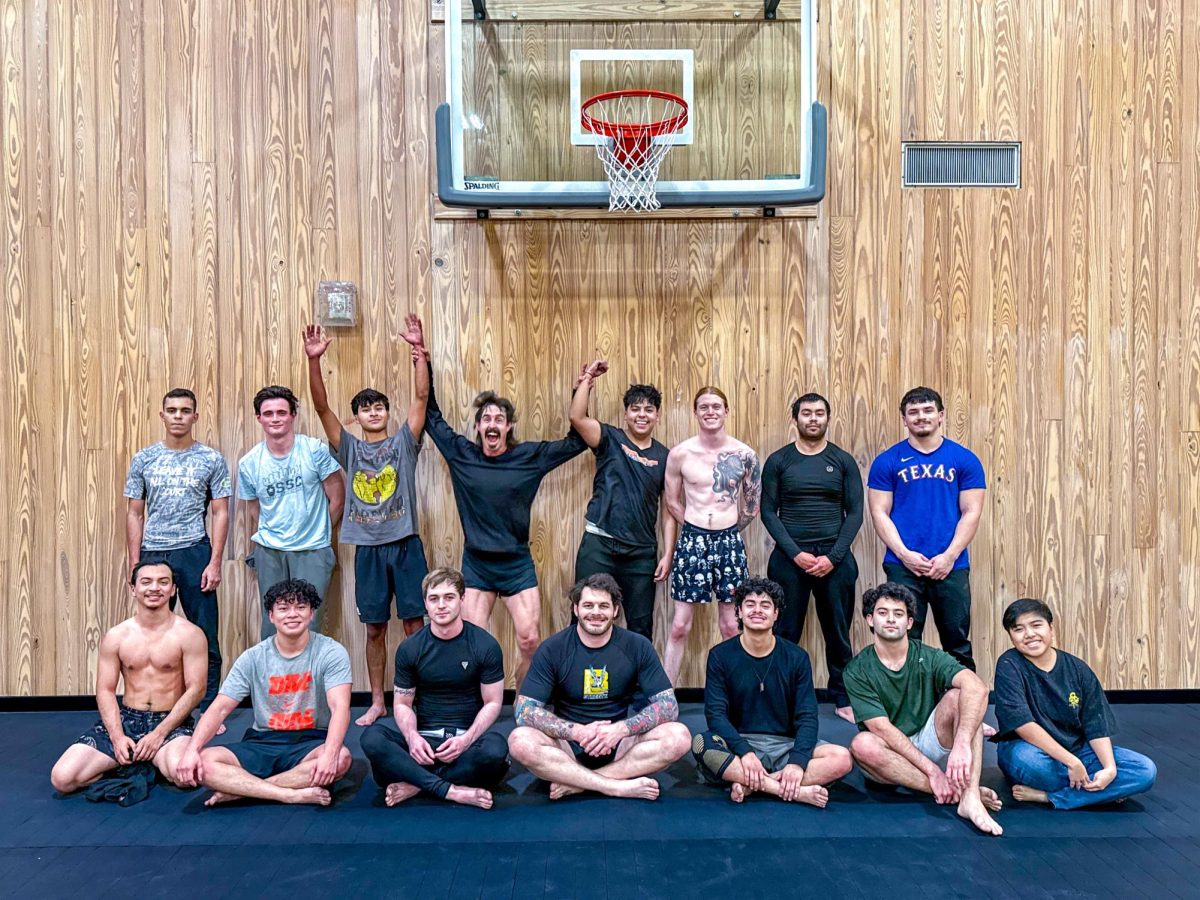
[[919, 712]]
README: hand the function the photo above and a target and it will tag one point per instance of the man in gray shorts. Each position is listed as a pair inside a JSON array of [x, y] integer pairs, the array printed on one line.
[[762, 710], [919, 712]]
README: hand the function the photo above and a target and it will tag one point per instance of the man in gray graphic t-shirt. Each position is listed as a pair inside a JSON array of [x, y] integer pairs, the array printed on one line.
[[170, 487], [380, 516]]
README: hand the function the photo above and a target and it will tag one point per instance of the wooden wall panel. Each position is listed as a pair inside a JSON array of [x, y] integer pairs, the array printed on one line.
[[176, 177]]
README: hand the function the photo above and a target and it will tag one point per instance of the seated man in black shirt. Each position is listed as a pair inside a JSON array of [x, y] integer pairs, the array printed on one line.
[[1054, 739], [449, 688], [572, 725], [762, 711]]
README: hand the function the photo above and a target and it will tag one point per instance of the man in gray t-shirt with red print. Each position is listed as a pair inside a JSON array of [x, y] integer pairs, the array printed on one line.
[[380, 516], [298, 682]]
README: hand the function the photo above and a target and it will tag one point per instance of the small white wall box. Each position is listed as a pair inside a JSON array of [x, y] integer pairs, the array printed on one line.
[[336, 304]]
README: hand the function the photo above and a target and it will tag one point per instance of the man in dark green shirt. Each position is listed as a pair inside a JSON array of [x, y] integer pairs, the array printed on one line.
[[919, 711]]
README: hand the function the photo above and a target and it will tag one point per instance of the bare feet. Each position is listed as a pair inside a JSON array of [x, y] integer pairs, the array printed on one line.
[[374, 711], [220, 797], [1028, 795], [971, 809], [558, 791], [637, 789], [988, 730], [470, 796], [813, 795], [739, 792], [399, 792], [315, 795], [221, 728], [991, 800], [845, 712]]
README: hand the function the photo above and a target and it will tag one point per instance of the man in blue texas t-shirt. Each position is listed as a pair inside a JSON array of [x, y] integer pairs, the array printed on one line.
[[926, 496]]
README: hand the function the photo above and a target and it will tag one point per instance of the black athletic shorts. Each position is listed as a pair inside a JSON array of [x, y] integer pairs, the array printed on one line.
[[386, 570], [708, 564], [591, 762], [267, 753], [136, 723], [507, 574]]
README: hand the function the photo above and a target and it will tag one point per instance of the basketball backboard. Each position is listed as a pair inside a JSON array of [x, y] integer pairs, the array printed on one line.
[[509, 134]]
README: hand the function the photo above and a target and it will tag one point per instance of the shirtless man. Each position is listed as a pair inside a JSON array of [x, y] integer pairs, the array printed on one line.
[[164, 661], [714, 488]]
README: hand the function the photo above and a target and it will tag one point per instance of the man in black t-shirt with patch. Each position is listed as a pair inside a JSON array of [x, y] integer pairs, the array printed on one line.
[[813, 507], [449, 688], [620, 533], [762, 711], [573, 724]]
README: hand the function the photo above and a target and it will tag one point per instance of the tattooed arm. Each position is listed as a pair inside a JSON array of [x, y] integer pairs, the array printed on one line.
[[750, 496], [406, 721], [535, 714], [663, 708]]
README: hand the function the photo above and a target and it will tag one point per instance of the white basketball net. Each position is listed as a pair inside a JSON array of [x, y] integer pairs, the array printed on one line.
[[631, 160]]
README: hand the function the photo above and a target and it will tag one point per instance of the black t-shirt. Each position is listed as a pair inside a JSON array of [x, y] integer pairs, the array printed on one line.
[[585, 684], [774, 694], [447, 674], [1067, 701], [494, 493], [628, 484], [811, 499]]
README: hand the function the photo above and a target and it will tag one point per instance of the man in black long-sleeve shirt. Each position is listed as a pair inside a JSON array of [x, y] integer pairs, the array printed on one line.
[[813, 508], [495, 480], [762, 712]]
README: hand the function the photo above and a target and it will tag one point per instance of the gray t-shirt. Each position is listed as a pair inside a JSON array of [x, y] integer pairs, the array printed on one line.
[[381, 488], [177, 486], [289, 694]]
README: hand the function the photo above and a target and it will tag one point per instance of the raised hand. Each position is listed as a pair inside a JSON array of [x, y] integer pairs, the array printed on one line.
[[315, 341], [414, 331]]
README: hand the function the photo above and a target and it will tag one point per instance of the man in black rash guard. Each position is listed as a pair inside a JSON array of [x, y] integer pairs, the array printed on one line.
[[813, 507], [449, 688], [495, 480], [620, 536], [573, 724], [762, 712]]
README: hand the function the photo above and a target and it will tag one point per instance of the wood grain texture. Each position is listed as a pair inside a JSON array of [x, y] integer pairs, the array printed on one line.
[[176, 177]]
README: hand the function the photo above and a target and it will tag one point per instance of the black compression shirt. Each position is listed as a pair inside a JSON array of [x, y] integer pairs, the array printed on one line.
[[812, 499]]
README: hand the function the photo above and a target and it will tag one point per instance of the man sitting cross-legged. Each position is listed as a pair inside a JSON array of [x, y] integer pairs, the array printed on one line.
[[762, 710], [298, 682], [919, 710], [163, 659], [1055, 742], [571, 713], [449, 689]]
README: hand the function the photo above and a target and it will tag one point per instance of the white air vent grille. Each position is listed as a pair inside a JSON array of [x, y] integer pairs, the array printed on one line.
[[978, 164]]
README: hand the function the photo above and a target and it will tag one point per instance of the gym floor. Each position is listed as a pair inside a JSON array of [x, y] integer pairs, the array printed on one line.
[[691, 842]]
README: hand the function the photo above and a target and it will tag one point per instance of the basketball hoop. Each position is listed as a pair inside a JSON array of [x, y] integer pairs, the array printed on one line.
[[633, 121]]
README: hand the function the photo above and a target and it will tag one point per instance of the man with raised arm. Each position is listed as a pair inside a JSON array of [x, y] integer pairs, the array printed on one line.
[[919, 712], [298, 682], [162, 660], [574, 727], [296, 492], [449, 689], [926, 497], [1055, 738], [170, 488], [380, 516], [713, 489], [813, 508], [761, 710], [620, 534], [495, 479]]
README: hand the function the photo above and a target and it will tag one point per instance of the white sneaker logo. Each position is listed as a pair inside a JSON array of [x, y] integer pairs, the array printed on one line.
[[905, 458]]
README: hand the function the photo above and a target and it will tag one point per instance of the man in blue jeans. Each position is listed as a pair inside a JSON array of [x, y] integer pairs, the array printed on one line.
[[1055, 743], [171, 487]]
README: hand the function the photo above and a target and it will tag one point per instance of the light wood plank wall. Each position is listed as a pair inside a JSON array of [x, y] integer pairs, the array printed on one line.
[[178, 175]]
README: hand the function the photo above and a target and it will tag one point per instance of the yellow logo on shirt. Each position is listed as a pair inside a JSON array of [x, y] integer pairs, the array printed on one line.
[[595, 683], [374, 489], [1073, 699]]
